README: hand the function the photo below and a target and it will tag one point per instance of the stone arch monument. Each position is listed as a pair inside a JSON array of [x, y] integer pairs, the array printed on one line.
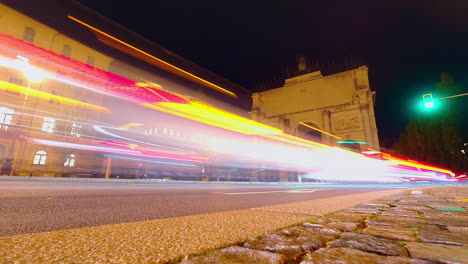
[[338, 107]]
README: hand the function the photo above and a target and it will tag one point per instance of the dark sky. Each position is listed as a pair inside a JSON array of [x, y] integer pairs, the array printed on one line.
[[406, 44]]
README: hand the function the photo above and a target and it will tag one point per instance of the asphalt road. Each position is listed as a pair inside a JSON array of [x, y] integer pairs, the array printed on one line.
[[30, 207]]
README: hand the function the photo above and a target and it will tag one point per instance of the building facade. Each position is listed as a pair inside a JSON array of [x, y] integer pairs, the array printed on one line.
[[336, 110], [53, 123]]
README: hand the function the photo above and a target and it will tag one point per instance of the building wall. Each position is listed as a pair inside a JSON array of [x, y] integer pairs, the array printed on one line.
[[29, 113], [341, 104]]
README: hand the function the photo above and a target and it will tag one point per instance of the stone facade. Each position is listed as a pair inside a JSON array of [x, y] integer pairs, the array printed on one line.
[[341, 104]]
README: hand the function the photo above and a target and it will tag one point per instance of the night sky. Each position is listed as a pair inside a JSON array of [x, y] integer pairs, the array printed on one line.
[[405, 44]]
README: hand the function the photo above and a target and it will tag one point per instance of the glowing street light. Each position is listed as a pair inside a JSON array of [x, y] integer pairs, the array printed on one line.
[[32, 74]]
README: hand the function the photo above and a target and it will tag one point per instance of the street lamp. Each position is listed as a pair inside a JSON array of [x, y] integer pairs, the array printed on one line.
[[31, 73]]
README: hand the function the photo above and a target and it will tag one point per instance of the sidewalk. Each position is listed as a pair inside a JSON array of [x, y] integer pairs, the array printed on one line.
[[416, 227]]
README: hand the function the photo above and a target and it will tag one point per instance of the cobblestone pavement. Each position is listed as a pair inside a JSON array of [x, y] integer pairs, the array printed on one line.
[[420, 226]]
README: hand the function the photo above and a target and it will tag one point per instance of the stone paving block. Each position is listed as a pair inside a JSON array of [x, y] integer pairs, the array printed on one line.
[[238, 255], [376, 204], [401, 213], [398, 219], [403, 224], [438, 253], [344, 226], [346, 217], [414, 207], [459, 229], [381, 246], [445, 205], [353, 256], [435, 213], [293, 242], [395, 233], [443, 237], [363, 210], [311, 225], [446, 220]]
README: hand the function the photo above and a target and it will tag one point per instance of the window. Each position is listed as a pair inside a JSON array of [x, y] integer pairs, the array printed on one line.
[[171, 132], [66, 51], [15, 80], [90, 61], [165, 131], [6, 115], [40, 158], [48, 125], [70, 160], [29, 34], [76, 130]]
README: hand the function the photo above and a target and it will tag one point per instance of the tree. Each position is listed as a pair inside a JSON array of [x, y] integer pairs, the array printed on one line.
[[435, 137]]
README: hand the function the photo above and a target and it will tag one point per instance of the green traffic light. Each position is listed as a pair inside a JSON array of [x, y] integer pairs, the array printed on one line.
[[429, 104], [428, 101]]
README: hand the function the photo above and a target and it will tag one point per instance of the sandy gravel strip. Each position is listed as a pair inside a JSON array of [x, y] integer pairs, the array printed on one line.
[[160, 241], [327, 205]]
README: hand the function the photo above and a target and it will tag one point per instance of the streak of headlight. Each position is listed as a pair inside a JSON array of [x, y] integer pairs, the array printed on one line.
[[100, 129], [212, 116], [129, 125], [5, 86], [415, 164], [85, 147], [150, 58], [80, 74], [114, 150], [148, 149], [319, 130], [151, 161]]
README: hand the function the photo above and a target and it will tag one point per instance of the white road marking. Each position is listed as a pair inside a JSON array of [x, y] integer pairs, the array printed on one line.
[[285, 191]]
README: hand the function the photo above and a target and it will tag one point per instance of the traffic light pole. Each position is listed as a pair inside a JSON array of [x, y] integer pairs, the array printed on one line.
[[458, 95]]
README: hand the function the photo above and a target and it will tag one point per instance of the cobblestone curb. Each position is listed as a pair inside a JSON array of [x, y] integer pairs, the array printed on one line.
[[427, 226]]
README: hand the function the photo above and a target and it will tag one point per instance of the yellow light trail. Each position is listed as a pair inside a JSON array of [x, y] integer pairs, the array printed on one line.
[[206, 114], [319, 130], [158, 62], [5, 86]]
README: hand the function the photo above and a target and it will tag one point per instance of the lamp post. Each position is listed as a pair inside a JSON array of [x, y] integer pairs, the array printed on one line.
[[33, 75]]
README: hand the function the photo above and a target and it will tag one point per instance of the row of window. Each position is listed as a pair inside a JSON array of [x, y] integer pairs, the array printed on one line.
[[173, 132], [29, 35], [40, 158], [48, 124], [165, 131]]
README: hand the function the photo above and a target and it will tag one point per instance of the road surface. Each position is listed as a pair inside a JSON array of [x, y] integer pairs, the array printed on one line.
[[32, 207]]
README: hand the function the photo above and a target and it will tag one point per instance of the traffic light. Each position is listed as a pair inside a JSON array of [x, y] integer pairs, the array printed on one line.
[[428, 101]]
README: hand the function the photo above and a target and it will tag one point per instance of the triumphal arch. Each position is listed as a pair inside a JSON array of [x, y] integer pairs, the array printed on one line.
[[337, 109]]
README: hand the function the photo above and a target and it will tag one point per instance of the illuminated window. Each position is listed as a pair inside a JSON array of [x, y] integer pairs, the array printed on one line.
[[90, 61], [69, 161], [6, 115], [165, 131], [66, 51], [48, 125], [76, 130], [171, 132], [40, 158], [29, 34]]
